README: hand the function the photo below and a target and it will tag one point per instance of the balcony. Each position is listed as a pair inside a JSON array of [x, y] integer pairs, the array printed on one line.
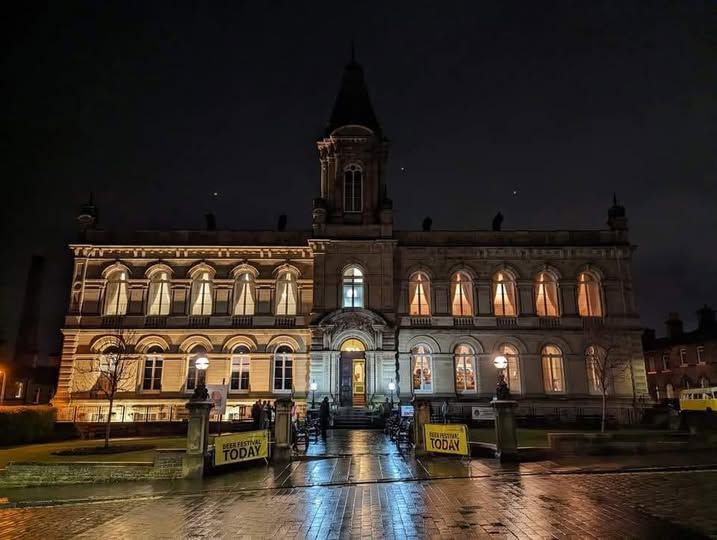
[[593, 323], [242, 321], [549, 322], [198, 321], [463, 322], [506, 322], [285, 322], [421, 322], [112, 321], [155, 321]]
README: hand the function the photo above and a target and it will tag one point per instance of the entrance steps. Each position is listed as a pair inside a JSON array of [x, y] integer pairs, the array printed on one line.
[[353, 418]]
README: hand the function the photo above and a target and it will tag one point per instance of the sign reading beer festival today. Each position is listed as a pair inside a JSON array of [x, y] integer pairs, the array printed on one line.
[[241, 447], [446, 438]]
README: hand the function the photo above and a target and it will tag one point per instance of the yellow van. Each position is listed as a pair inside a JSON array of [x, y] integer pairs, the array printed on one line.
[[699, 399]]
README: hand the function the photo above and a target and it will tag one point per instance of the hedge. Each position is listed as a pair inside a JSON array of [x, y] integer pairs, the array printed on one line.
[[27, 425]]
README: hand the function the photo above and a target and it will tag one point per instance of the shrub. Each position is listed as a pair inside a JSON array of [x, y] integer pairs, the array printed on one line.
[[26, 425]]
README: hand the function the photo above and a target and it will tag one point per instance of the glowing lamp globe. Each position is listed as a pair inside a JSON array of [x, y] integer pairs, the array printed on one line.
[[201, 363], [313, 386], [500, 361], [392, 386]]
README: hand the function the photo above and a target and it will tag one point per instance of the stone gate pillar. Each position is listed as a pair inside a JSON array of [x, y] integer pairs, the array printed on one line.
[[506, 440], [422, 416], [282, 430], [197, 438]]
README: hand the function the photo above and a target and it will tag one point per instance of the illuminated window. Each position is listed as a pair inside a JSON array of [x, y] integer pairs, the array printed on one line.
[[651, 365], [244, 294], [461, 295], [201, 295], [286, 294], [116, 293], [353, 188], [353, 288], [670, 391], [422, 369], [597, 369], [153, 364], [283, 369], [589, 298], [194, 375], [666, 362], [19, 387], [158, 299], [700, 354], [553, 376], [240, 369], [504, 302], [108, 361], [546, 295], [419, 291], [683, 357], [465, 362], [513, 367]]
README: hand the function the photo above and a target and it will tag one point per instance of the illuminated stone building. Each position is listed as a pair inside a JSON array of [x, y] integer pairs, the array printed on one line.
[[353, 305]]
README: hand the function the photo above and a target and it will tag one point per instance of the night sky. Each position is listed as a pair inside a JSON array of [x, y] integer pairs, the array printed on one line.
[[155, 106]]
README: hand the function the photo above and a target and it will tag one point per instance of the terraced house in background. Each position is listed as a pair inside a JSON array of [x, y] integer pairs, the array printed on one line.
[[354, 305]]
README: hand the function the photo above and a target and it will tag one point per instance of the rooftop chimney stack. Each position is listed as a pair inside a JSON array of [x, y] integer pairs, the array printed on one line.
[[674, 325], [706, 318]]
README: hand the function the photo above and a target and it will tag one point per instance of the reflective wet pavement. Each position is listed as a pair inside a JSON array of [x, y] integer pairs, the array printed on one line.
[[359, 485]]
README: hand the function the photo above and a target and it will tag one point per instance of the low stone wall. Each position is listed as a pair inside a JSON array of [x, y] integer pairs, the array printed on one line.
[[622, 443], [167, 465]]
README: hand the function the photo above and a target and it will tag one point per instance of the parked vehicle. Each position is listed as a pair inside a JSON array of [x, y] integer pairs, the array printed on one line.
[[699, 399]]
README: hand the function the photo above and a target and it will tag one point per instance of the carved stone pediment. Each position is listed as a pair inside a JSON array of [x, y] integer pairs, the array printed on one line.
[[346, 319]]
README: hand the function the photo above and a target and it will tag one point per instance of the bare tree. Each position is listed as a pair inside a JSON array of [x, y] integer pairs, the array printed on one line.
[[112, 371], [605, 364]]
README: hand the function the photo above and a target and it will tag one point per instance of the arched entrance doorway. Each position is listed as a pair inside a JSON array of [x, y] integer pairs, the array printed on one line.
[[352, 370]]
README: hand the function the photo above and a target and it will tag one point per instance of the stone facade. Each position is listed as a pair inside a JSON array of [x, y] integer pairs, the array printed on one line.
[[353, 309]]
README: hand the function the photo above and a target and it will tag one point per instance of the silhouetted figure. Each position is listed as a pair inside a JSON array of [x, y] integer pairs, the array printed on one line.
[[281, 225], [427, 222], [497, 221], [324, 415]]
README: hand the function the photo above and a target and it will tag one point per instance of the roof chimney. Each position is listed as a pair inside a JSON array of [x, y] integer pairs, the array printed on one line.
[[648, 338], [706, 318], [674, 325]]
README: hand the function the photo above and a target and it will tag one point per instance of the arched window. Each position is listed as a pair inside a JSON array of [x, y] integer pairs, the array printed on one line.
[[466, 374], [353, 287], [244, 294], [109, 360], [195, 376], [422, 369], [461, 295], [239, 380], [116, 293], [419, 293], [553, 375], [283, 369], [546, 295], [153, 364], [504, 301], [513, 367], [286, 294], [353, 188], [201, 295], [670, 391], [589, 297], [597, 369], [159, 299]]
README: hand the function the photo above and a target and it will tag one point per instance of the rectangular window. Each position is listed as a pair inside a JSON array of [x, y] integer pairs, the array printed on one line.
[[553, 374], [465, 374], [700, 354], [191, 376], [240, 373], [152, 379], [666, 362], [683, 357], [283, 373], [651, 365], [422, 373]]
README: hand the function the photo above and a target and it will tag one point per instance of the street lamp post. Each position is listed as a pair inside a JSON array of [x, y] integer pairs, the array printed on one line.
[[2, 389], [502, 392], [392, 387], [200, 392], [313, 394]]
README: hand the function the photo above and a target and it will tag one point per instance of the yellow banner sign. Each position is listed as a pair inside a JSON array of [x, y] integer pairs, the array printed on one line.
[[241, 447], [446, 438]]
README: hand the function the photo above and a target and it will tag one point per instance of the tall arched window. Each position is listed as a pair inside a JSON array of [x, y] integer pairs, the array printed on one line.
[[513, 367], [159, 299], [589, 297], [353, 188], [461, 295], [283, 369], [286, 294], [597, 369], [201, 302], [352, 288], [194, 375], [422, 372], [504, 300], [244, 294], [553, 375], [466, 374], [419, 294], [153, 365], [239, 380], [546, 295], [116, 293]]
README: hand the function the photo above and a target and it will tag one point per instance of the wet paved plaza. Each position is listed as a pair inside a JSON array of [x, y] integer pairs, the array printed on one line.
[[359, 485]]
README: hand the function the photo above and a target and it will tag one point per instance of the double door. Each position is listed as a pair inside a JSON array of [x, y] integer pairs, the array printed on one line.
[[352, 379]]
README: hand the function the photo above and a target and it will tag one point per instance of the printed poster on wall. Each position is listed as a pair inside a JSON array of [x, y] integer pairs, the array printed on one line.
[[218, 394]]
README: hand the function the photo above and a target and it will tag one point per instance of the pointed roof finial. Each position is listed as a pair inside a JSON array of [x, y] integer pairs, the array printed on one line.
[[353, 53], [614, 198]]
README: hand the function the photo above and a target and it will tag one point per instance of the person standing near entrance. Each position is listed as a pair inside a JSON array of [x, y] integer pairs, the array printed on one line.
[[324, 414]]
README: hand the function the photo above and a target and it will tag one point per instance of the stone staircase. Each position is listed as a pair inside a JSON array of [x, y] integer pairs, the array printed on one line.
[[353, 418]]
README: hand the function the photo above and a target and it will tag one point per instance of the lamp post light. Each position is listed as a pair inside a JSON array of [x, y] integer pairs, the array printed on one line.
[[313, 394], [392, 387], [2, 389], [502, 392], [200, 392]]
